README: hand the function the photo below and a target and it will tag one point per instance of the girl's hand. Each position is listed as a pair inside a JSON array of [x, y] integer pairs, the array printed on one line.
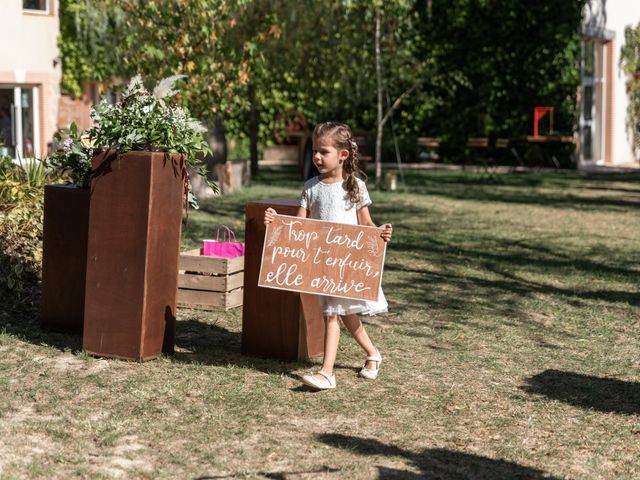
[[387, 230], [268, 215]]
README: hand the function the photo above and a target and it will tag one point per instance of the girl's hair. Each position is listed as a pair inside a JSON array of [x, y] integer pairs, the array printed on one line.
[[341, 137]]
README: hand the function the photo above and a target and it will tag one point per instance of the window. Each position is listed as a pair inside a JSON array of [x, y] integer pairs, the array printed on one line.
[[587, 102], [35, 5], [19, 129], [587, 150], [589, 58]]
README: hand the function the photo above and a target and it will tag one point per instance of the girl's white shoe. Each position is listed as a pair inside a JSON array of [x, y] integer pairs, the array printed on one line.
[[320, 384], [368, 373]]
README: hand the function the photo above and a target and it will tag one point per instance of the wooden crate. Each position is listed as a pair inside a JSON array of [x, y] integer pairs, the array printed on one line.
[[209, 282]]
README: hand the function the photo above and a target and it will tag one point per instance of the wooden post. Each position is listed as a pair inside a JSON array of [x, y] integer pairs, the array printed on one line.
[[64, 257], [132, 260], [276, 323]]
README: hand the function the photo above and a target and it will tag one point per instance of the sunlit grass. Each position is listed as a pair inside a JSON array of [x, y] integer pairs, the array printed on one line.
[[511, 351]]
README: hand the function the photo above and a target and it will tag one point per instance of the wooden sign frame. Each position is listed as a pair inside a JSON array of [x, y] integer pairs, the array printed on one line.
[[353, 253]]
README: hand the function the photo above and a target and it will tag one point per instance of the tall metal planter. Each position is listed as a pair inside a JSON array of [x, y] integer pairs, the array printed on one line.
[[64, 257], [276, 323], [132, 255]]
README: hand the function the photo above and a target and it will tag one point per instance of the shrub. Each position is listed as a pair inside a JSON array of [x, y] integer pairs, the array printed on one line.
[[72, 158], [630, 62], [22, 181], [21, 250], [21, 214]]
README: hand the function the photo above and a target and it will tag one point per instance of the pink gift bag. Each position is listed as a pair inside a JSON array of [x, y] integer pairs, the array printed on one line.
[[227, 248]]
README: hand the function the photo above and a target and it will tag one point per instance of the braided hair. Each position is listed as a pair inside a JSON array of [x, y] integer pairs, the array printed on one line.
[[341, 138]]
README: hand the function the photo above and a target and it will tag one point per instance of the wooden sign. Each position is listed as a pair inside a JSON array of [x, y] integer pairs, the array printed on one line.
[[324, 258]]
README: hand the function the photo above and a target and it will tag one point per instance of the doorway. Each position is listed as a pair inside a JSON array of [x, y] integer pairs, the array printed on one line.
[[19, 135], [588, 145]]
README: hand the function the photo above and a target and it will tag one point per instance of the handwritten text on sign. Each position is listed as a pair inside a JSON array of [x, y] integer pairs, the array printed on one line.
[[325, 258]]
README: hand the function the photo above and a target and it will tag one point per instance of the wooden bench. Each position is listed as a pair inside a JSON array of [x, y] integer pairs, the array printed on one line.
[[429, 143], [486, 142], [432, 144], [489, 146], [487, 150]]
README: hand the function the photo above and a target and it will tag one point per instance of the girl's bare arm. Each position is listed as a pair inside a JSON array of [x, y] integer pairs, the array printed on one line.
[[364, 218]]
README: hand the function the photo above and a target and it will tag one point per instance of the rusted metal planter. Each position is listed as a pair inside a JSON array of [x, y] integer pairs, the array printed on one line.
[[276, 323], [132, 255], [64, 257]]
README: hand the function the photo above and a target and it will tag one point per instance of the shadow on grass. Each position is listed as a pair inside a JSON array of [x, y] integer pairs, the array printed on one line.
[[202, 343], [522, 189], [607, 395], [521, 179], [25, 324], [512, 285], [272, 475], [537, 254], [498, 274], [210, 344], [435, 463]]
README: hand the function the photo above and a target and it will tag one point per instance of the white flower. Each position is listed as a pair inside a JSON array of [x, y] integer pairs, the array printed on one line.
[[135, 85], [196, 126], [147, 109], [164, 88]]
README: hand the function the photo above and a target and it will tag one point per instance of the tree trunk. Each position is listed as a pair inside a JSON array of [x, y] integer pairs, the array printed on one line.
[[253, 130], [379, 91], [217, 140]]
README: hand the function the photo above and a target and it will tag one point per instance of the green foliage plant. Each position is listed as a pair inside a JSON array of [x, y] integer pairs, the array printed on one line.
[[21, 248], [21, 212], [473, 69], [22, 181], [73, 156], [208, 42], [219, 44], [630, 62], [513, 56], [149, 121], [145, 121], [90, 32]]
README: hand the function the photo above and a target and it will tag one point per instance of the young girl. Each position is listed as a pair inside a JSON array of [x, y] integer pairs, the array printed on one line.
[[337, 195]]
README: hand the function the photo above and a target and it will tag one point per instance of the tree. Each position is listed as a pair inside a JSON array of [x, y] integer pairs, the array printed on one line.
[[250, 60], [210, 41], [468, 67], [630, 62], [196, 38], [417, 69], [326, 66], [513, 56], [88, 43]]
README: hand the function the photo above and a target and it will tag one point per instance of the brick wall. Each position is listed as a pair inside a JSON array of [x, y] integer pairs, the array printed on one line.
[[77, 109]]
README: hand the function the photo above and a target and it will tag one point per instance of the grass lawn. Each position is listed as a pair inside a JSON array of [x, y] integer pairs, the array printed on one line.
[[511, 350]]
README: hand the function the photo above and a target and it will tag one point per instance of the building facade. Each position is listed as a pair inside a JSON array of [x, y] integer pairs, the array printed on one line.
[[605, 138], [30, 74]]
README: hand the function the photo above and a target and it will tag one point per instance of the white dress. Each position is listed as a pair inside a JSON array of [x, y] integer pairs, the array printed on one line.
[[330, 202]]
